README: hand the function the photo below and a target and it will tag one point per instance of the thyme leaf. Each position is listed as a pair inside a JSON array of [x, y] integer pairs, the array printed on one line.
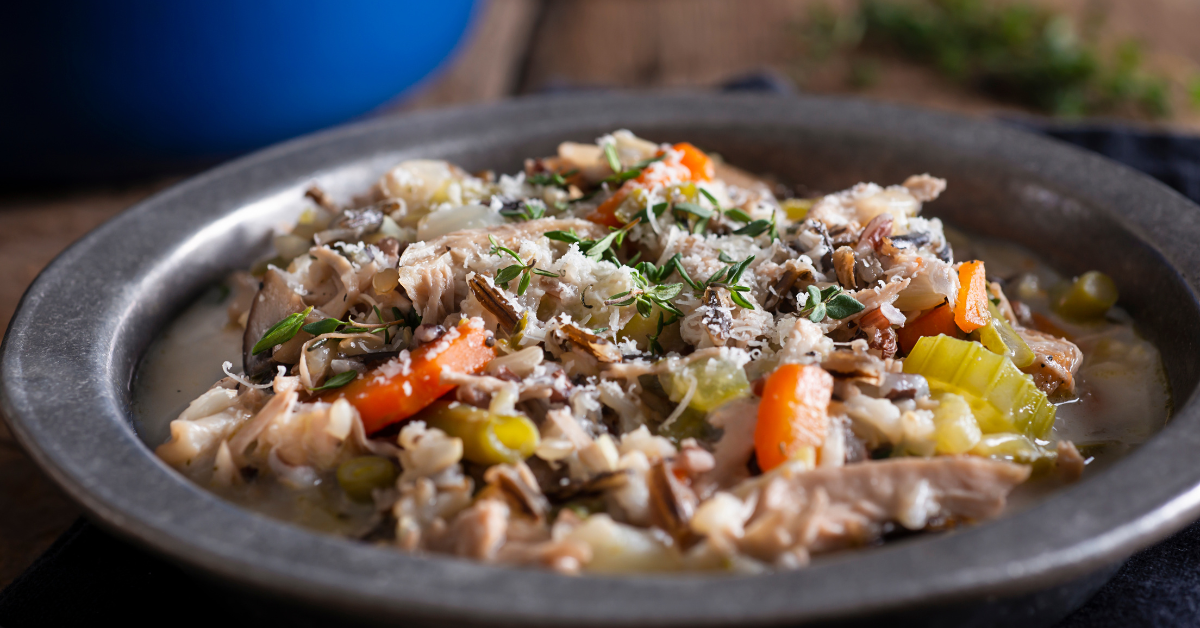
[[337, 381], [281, 332]]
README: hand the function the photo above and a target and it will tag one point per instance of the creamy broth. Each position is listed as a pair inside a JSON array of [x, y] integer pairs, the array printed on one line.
[[184, 362]]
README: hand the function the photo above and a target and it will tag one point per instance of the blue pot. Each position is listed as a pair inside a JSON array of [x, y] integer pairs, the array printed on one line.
[[119, 85]]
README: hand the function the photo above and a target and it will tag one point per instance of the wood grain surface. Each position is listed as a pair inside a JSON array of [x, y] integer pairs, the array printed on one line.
[[530, 46]]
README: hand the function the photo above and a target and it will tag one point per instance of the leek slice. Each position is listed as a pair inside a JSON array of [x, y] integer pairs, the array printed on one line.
[[999, 337], [487, 438]]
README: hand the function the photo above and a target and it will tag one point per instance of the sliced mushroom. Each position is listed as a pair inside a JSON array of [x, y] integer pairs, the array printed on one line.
[[843, 236], [519, 487], [867, 269], [672, 504], [494, 301], [599, 348], [352, 224], [792, 272], [595, 485], [717, 321], [275, 301], [843, 263], [320, 197], [863, 367]]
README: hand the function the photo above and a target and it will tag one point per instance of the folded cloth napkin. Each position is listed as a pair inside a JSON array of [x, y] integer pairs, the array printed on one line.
[[88, 575]]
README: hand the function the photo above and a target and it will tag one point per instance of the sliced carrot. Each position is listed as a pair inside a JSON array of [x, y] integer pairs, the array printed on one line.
[[606, 213], [693, 165], [390, 394], [793, 413], [700, 165], [971, 310], [939, 320]]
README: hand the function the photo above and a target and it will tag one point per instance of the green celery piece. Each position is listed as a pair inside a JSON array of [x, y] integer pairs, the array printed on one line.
[[1002, 397], [999, 337]]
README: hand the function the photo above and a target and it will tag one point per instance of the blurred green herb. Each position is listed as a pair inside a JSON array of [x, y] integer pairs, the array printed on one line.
[[520, 269], [1014, 51]]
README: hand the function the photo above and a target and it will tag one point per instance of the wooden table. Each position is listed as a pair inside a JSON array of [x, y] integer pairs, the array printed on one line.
[[527, 46]]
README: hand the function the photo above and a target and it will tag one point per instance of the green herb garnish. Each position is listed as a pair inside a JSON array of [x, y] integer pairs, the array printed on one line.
[[281, 332], [653, 344], [831, 302], [331, 325], [595, 250], [1020, 52], [337, 381], [525, 210], [520, 269], [620, 175], [554, 179]]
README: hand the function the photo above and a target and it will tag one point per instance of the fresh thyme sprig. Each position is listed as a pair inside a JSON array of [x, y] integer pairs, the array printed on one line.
[[281, 332], [831, 302], [332, 325], [521, 269], [752, 228], [727, 277], [292, 324], [662, 324], [553, 179], [645, 297], [524, 209], [337, 381], [621, 175], [596, 250], [702, 214]]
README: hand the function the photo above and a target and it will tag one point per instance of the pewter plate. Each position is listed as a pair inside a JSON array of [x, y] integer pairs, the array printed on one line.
[[75, 341]]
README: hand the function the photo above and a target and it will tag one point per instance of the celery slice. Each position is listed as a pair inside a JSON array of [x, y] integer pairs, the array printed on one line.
[[999, 337], [1002, 397], [716, 380]]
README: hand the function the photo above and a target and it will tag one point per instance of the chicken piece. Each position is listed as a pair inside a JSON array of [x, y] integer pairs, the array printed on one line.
[[433, 273], [801, 512], [1055, 364], [924, 187], [731, 454], [1070, 462], [477, 532]]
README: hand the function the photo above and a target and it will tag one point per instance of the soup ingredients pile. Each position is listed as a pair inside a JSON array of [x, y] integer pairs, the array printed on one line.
[[634, 357]]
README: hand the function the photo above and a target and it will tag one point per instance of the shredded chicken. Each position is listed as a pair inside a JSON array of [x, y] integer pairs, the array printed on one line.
[[828, 509], [1056, 360]]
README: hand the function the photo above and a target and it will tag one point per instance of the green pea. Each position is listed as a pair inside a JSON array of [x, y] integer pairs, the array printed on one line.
[[1089, 297], [359, 476]]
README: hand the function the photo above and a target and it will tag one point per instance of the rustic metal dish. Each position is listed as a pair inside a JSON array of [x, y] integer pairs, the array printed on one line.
[[76, 339]]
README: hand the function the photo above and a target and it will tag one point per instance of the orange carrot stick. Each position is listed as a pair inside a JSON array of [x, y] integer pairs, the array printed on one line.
[[971, 310], [606, 213], [939, 320], [699, 164], [793, 413], [392, 393]]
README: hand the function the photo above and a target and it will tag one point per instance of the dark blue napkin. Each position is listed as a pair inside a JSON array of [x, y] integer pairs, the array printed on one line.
[[90, 576]]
